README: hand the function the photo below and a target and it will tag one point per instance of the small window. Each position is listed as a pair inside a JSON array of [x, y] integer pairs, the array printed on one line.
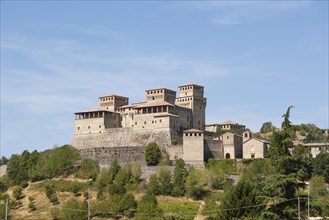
[[100, 126], [199, 134], [88, 127], [78, 128], [160, 120], [144, 122]]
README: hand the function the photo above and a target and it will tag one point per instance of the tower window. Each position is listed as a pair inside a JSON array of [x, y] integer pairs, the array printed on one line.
[[100, 126], [88, 127], [78, 128]]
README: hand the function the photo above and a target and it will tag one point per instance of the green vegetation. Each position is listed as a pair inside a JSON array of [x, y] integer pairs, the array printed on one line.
[[230, 189], [179, 209], [152, 154], [267, 127]]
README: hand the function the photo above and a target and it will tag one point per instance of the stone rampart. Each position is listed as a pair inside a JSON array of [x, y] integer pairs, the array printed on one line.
[[213, 149]]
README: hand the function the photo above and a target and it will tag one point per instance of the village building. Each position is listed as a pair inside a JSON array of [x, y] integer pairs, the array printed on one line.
[[254, 147]]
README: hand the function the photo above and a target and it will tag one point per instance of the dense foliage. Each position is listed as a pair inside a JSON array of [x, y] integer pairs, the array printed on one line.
[[152, 154]]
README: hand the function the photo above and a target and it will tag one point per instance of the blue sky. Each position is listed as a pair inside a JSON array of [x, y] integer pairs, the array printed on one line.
[[255, 58]]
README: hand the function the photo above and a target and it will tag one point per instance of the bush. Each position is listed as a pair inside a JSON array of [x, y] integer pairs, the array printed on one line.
[[152, 154], [18, 192], [73, 209], [76, 189]]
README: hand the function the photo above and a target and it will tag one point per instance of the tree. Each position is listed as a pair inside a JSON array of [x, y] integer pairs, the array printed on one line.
[[179, 178], [73, 209], [282, 185], [89, 169], [164, 181], [152, 154], [153, 184], [194, 185], [244, 194], [148, 207], [267, 127], [321, 165]]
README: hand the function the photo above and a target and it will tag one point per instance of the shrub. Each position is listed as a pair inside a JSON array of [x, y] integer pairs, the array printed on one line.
[[76, 189], [73, 209], [18, 192], [152, 154]]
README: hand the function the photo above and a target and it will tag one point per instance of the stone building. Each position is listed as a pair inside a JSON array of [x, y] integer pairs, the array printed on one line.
[[226, 125], [232, 145], [254, 147], [116, 126], [160, 110]]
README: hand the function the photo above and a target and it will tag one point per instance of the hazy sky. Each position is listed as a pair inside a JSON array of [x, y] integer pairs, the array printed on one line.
[[253, 58]]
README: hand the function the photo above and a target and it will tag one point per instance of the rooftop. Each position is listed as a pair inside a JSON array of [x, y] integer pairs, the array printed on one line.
[[230, 123]]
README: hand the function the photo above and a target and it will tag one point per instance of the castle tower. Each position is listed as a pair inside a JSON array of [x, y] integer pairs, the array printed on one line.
[[112, 102], [193, 147], [161, 94], [192, 96]]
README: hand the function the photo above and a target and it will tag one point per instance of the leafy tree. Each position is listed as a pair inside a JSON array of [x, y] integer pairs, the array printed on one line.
[[267, 127], [89, 169], [312, 133], [179, 178], [321, 165], [164, 181], [107, 175], [244, 194], [195, 183], [3, 185], [148, 207], [3, 160], [73, 209], [153, 184], [281, 187], [152, 154], [303, 162]]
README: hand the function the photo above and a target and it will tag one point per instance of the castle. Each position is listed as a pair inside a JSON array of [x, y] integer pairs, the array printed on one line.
[[117, 129]]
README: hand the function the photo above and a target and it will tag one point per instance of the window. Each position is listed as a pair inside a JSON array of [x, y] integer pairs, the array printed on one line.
[[78, 128], [252, 156], [199, 134], [227, 156], [100, 126], [144, 122], [228, 137], [160, 120], [88, 127], [245, 135]]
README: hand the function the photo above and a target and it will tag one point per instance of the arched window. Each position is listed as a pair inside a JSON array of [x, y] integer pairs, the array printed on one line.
[[227, 156]]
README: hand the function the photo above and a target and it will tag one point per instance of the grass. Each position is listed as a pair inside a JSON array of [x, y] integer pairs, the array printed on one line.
[[60, 185], [182, 209]]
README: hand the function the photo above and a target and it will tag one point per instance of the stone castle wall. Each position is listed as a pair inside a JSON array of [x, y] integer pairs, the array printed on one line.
[[127, 145], [213, 149]]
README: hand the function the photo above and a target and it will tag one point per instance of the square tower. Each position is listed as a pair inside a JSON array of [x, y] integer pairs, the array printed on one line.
[[192, 96], [113, 102], [161, 94]]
